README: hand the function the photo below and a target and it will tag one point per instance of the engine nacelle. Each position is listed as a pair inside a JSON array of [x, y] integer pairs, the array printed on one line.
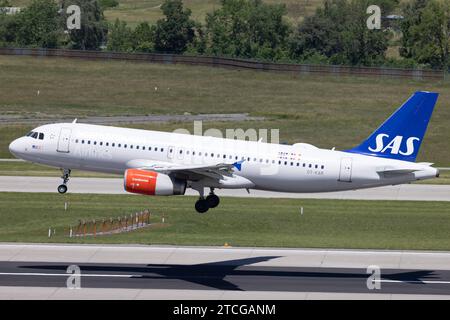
[[152, 183]]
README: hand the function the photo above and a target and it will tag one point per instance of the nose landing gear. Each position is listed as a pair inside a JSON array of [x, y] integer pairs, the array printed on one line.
[[62, 188]]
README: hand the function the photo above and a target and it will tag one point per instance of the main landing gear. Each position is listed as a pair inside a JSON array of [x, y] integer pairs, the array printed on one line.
[[62, 188], [204, 204]]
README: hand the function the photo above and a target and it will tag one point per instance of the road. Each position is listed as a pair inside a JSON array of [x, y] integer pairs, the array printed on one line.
[[418, 192], [219, 273]]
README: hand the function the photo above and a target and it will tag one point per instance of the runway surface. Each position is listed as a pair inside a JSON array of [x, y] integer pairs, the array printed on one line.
[[135, 272], [419, 192]]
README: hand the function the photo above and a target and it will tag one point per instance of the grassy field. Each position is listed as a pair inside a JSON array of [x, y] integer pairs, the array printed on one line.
[[346, 109], [239, 222], [135, 11]]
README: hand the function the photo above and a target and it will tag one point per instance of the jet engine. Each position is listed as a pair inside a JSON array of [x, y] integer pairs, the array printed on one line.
[[152, 183]]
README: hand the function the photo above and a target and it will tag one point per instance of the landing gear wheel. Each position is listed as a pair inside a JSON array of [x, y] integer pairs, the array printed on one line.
[[62, 188], [213, 200], [201, 206]]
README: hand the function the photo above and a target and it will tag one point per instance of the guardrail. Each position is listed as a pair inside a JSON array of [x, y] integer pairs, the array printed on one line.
[[231, 63]]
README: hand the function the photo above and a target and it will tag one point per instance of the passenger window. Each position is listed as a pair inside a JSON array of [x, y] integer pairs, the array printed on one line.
[[137, 147], [89, 141], [119, 145], [162, 149], [310, 165], [95, 143], [316, 166], [82, 141], [322, 167], [107, 144], [131, 146], [113, 144], [143, 147], [76, 141], [101, 143], [156, 149], [124, 145]]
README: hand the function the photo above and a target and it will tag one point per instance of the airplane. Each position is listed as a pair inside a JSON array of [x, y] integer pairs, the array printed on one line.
[[158, 163]]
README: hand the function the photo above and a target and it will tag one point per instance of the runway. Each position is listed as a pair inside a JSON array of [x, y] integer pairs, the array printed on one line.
[[150, 272], [414, 192]]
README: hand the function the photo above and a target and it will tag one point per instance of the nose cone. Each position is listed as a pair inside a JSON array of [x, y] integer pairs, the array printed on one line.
[[15, 147]]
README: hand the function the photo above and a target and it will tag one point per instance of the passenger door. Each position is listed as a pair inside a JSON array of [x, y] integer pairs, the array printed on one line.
[[64, 140], [345, 173]]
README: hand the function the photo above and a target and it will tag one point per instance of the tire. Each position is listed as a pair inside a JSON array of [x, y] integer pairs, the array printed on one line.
[[62, 188], [201, 206], [213, 200]]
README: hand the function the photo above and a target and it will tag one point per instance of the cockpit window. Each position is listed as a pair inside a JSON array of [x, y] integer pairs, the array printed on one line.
[[36, 135]]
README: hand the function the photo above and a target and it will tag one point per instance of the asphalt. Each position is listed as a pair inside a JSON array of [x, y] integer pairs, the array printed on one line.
[[413, 192], [221, 272], [236, 276]]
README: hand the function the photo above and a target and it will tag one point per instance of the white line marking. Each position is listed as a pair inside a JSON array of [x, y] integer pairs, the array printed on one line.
[[414, 281], [68, 274]]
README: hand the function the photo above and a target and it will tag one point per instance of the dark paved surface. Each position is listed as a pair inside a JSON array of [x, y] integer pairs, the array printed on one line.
[[226, 275]]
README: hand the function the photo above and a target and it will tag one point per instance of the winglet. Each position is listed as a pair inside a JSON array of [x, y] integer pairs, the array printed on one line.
[[238, 165], [75, 120]]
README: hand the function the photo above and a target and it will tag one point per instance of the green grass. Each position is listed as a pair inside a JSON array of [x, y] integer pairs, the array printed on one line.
[[239, 222], [327, 111], [135, 11]]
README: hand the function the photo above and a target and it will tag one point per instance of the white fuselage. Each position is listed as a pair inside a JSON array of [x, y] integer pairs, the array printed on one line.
[[265, 166]]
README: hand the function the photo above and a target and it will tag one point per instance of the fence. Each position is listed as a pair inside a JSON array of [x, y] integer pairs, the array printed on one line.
[[231, 63], [110, 226]]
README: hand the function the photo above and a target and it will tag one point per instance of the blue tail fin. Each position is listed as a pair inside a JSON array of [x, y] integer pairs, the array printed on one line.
[[400, 136]]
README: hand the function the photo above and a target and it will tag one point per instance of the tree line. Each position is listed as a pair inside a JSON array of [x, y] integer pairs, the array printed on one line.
[[336, 33]]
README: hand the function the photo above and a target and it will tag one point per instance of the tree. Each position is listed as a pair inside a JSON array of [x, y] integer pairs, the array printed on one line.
[[176, 30], [144, 38], [247, 28], [38, 25], [93, 31], [120, 37], [426, 32], [338, 31]]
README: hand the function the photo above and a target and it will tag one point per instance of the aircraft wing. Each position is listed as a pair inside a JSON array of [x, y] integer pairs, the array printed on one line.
[[189, 172]]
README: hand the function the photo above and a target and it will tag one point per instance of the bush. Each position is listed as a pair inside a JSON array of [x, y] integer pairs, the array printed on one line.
[[108, 3]]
